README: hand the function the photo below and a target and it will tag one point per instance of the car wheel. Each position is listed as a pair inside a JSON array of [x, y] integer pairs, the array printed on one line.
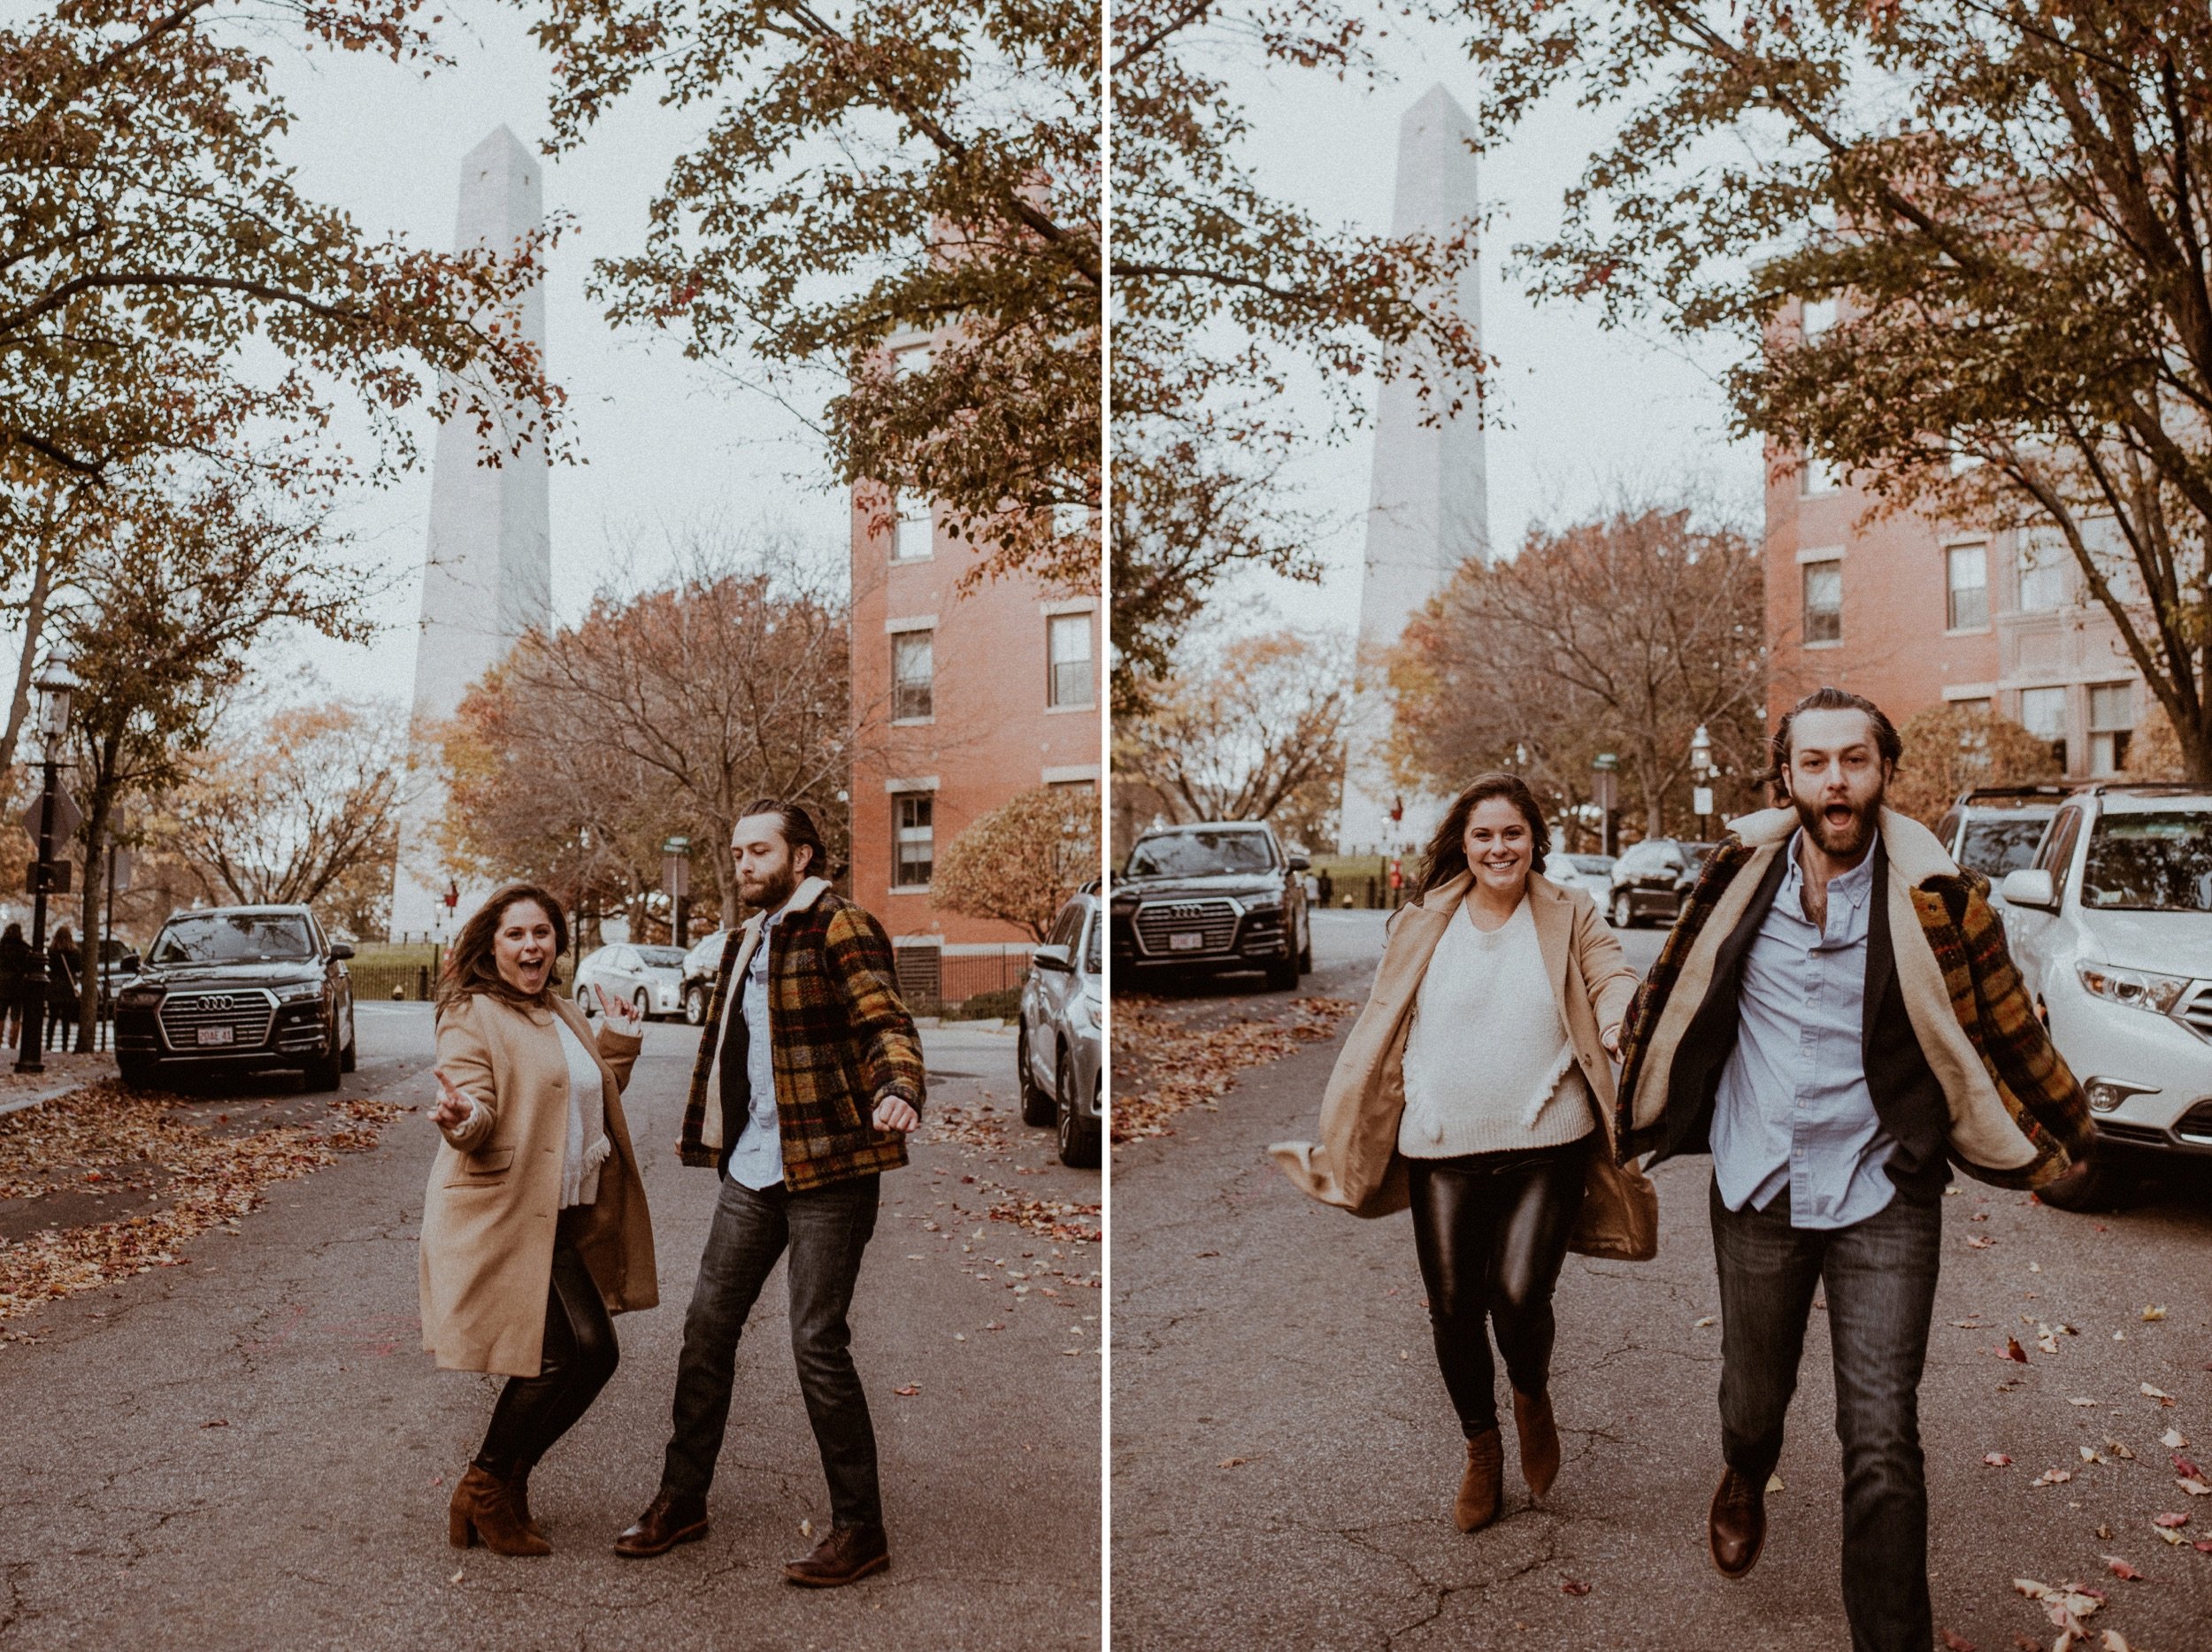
[[1036, 1106], [351, 1059], [695, 1004], [1078, 1141], [1624, 914], [2095, 1185], [323, 1071], [644, 1006]]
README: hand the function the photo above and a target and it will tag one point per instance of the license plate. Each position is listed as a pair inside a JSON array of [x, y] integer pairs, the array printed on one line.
[[1188, 941], [217, 1034]]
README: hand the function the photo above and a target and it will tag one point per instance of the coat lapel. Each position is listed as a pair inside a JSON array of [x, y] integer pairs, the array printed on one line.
[[1548, 905]]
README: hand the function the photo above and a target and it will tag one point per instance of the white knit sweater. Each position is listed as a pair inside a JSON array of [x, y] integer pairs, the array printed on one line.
[[588, 1142], [1488, 1064]]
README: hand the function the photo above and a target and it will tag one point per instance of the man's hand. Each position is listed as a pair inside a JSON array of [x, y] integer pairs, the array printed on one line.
[[893, 1113], [453, 1107]]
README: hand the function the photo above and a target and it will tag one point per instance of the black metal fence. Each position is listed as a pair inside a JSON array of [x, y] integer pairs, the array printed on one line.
[[398, 982]]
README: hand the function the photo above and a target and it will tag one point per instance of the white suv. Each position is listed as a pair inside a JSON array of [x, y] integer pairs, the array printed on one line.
[[2112, 930]]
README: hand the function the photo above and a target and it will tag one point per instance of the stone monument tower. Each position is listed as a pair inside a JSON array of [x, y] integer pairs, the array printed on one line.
[[487, 562], [1428, 506]]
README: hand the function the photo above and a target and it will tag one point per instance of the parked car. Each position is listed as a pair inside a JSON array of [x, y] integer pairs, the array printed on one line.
[[1058, 1047], [1219, 894], [236, 989], [1651, 878], [119, 968], [651, 978], [1594, 872], [1996, 830], [699, 966], [2111, 928]]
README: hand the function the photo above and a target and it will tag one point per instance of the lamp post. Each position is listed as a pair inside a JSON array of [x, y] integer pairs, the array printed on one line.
[[1702, 773], [55, 686]]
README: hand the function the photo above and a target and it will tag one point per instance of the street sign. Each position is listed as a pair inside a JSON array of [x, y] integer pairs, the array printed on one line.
[[68, 816], [121, 864], [677, 846], [50, 879], [1701, 800]]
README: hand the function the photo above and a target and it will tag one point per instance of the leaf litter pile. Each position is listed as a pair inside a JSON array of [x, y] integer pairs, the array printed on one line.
[[1163, 1064], [108, 1144]]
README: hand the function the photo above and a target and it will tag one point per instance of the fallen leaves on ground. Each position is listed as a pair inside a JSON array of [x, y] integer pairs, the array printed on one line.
[[1998, 1460], [2120, 1569], [1052, 1218], [208, 1180], [1953, 1642], [1572, 1586], [2013, 1351], [1172, 1063]]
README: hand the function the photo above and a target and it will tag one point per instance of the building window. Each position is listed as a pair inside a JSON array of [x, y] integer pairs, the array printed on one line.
[[2043, 558], [1815, 476], [2111, 725], [1817, 315], [913, 676], [1966, 576], [914, 539], [1823, 601], [2043, 714], [1068, 639], [913, 839]]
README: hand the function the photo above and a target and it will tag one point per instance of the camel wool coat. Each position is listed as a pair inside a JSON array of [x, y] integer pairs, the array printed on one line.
[[1356, 1165], [486, 1249]]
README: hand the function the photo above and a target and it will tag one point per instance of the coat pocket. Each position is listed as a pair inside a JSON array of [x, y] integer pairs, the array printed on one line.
[[482, 1169]]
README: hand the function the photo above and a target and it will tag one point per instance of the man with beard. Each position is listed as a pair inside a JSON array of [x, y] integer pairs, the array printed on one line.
[[1834, 1018], [821, 1080]]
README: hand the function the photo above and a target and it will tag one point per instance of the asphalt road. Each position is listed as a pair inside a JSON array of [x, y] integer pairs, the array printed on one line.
[[253, 1451], [1285, 1456]]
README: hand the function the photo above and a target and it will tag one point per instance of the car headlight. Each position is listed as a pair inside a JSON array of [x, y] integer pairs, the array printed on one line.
[[139, 997], [1267, 901], [2138, 989], [300, 992]]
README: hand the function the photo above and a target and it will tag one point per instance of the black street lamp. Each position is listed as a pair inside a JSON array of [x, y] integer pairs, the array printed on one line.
[[55, 686]]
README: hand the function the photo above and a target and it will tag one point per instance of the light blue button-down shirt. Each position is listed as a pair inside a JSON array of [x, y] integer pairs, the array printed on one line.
[[1794, 1110], [757, 1160]]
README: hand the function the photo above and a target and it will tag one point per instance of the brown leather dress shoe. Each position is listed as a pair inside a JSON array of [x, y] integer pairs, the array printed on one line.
[[1483, 1488], [849, 1554], [1539, 1441], [1737, 1528], [484, 1511], [667, 1521]]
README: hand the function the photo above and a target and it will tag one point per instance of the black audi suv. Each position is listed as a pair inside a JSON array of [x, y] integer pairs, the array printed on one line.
[[1215, 895], [238, 989]]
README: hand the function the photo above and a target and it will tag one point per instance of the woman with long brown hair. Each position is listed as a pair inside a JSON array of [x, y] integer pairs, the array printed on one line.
[[1477, 1087], [535, 1230]]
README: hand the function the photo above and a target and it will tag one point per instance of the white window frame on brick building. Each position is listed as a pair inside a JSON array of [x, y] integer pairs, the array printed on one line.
[[1071, 678], [1966, 600], [2041, 563], [1816, 476], [2111, 727], [2043, 714], [1824, 567], [913, 835], [913, 644], [914, 531]]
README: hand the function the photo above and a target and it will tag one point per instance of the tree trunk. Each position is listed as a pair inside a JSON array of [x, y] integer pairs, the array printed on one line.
[[96, 830]]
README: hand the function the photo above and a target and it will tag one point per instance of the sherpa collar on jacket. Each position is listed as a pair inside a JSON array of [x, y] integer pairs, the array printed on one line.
[[2017, 1116]]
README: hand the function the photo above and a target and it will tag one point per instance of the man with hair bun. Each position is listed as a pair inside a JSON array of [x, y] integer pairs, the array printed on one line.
[[819, 1080]]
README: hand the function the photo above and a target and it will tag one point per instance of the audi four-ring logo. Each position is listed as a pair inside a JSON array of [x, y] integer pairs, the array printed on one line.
[[215, 1003]]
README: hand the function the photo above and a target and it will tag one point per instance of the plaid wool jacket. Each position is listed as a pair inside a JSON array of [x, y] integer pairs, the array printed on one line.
[[840, 1038], [2017, 1117]]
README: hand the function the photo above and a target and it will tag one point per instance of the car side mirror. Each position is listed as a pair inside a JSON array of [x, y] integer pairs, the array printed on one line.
[[1301, 862], [1054, 958], [128, 963], [2031, 886], [340, 950]]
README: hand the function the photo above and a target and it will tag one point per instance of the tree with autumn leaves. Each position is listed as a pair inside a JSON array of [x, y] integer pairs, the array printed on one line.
[[1020, 863]]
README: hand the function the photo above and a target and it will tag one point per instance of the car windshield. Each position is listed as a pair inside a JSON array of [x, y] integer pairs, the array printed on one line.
[[1199, 854], [232, 937], [2152, 862], [661, 958], [1996, 844]]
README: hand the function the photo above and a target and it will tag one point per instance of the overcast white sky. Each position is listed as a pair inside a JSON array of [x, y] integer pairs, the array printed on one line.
[[665, 442], [1582, 411]]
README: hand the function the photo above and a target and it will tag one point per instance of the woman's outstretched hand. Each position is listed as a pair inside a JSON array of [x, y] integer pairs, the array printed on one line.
[[621, 1014], [453, 1107]]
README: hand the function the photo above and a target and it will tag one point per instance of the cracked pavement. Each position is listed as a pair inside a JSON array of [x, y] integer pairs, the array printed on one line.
[[1285, 1456], [254, 1451]]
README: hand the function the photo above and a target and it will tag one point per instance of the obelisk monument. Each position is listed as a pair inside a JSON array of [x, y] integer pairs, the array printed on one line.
[[487, 564], [1428, 508]]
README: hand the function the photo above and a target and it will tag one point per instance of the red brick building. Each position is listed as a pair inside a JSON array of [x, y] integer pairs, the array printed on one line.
[[1913, 612], [964, 699]]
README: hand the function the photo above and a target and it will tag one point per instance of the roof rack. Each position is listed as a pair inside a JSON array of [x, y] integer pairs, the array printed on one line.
[[2149, 788], [2028, 790]]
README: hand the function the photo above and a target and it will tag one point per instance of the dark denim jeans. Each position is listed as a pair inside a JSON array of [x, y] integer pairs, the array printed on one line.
[[1880, 1276], [826, 1230]]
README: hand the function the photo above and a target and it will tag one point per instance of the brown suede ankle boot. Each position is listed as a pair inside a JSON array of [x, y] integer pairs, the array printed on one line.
[[1483, 1487], [520, 1487], [485, 1509], [1539, 1441]]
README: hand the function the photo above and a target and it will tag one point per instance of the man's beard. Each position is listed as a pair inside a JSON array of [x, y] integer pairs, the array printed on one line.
[[772, 892], [1844, 842]]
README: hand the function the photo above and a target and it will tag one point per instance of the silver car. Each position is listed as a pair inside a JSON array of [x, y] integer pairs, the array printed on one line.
[[651, 978], [1058, 1049], [699, 967]]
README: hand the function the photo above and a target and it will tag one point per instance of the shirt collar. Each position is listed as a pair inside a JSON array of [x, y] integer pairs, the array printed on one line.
[[1852, 887]]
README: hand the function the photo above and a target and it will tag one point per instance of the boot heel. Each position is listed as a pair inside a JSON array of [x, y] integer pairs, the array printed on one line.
[[459, 1531]]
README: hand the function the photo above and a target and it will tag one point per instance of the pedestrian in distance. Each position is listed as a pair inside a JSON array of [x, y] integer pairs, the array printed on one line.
[[61, 991], [1835, 1020], [1477, 1085], [15, 975], [535, 1230], [819, 1080]]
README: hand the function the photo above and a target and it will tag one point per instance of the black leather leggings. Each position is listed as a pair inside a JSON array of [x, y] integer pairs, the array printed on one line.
[[579, 1355], [1490, 1230]]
